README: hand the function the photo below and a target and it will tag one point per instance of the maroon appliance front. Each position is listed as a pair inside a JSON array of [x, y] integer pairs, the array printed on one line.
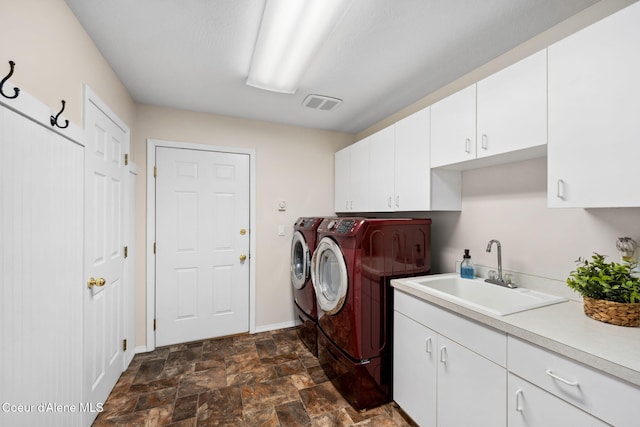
[[355, 260], [303, 243]]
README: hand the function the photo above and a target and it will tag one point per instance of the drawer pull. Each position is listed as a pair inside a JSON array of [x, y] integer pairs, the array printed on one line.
[[562, 380], [519, 393], [428, 345]]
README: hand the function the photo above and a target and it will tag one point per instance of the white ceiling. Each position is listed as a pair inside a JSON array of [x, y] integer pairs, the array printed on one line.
[[384, 55]]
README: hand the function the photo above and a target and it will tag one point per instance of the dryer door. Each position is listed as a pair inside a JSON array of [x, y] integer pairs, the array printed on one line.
[[300, 261], [329, 276]]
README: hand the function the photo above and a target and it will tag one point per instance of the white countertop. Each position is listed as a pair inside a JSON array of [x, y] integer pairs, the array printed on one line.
[[562, 328]]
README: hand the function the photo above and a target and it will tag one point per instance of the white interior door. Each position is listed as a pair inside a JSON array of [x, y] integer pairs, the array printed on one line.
[[202, 244], [105, 190]]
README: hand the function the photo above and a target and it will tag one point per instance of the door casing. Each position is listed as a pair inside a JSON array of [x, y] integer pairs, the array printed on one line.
[[152, 144]]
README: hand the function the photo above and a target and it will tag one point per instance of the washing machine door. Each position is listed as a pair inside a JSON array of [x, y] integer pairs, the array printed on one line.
[[329, 276], [300, 261]]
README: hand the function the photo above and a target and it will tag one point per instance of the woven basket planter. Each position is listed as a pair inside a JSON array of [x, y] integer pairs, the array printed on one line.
[[616, 313]]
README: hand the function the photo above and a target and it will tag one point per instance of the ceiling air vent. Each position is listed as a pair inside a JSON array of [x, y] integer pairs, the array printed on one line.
[[320, 102]]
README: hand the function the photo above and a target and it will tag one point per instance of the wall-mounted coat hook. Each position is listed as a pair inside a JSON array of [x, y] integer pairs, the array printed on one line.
[[16, 90], [54, 120]]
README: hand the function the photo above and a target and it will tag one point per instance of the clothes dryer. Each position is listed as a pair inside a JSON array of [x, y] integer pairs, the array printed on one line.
[[303, 244], [352, 266]]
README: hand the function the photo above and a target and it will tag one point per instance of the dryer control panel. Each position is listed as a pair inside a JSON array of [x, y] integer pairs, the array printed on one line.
[[341, 226]]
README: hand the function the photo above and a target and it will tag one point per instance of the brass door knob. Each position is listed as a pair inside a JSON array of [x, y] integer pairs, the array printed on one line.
[[96, 282], [243, 257]]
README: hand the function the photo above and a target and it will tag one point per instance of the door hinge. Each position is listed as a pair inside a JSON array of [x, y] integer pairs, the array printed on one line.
[[126, 251], [155, 171], [154, 324], [126, 159], [154, 247], [124, 345]]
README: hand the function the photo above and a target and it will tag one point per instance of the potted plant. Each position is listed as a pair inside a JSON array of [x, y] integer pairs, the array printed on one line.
[[610, 290]]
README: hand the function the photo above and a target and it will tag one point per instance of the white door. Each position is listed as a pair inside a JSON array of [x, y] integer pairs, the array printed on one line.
[[105, 174], [202, 244]]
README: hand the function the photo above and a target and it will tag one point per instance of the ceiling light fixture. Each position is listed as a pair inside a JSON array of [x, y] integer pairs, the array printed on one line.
[[291, 33]]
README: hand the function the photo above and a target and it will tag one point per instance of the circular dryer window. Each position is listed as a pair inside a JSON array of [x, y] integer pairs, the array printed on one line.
[[329, 276], [300, 264]]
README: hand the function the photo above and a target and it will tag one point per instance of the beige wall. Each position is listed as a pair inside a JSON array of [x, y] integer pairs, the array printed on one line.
[[54, 57], [535, 239], [292, 164]]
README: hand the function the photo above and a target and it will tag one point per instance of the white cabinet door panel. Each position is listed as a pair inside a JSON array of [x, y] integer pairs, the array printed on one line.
[[594, 99], [471, 389], [414, 369], [512, 107], [453, 128]]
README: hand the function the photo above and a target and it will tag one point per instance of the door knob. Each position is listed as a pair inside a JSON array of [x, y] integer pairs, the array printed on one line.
[[96, 282], [243, 257]]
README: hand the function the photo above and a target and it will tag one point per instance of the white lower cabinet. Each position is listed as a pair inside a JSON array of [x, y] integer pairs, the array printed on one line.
[[531, 406], [449, 370], [471, 389], [415, 369], [581, 387], [439, 381]]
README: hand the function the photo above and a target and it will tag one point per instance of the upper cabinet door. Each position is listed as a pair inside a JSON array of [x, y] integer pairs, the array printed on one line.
[[413, 177], [359, 176], [453, 128], [342, 176], [594, 106], [382, 170], [512, 107]]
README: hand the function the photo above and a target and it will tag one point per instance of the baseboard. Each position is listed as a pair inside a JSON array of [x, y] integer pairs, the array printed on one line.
[[141, 349], [275, 326]]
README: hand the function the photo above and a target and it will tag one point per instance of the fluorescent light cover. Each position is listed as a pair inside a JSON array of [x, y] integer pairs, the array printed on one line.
[[291, 33]]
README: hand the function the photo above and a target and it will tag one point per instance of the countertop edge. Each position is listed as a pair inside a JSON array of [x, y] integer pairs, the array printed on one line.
[[620, 372]]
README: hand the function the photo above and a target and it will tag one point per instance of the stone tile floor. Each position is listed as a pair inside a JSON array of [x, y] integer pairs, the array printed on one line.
[[265, 379]]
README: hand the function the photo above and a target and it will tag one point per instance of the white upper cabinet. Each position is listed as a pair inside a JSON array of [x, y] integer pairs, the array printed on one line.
[[342, 175], [398, 169], [502, 118], [453, 128], [594, 110], [382, 170], [351, 178], [412, 177], [512, 108]]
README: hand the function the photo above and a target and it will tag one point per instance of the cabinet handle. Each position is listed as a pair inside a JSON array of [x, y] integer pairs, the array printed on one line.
[[562, 380], [519, 393], [351, 205], [560, 189], [346, 205], [467, 146], [484, 141], [428, 348], [389, 201], [397, 201], [443, 354]]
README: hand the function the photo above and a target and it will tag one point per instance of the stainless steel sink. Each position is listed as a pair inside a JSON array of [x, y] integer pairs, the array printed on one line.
[[475, 293]]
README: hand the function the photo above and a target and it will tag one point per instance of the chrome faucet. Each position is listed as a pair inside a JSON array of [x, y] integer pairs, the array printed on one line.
[[500, 280]]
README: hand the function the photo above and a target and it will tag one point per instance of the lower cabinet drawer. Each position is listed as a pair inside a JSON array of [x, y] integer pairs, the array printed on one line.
[[531, 406], [601, 395]]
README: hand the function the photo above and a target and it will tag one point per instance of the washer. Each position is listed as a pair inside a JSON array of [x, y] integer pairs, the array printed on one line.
[[351, 269], [303, 244]]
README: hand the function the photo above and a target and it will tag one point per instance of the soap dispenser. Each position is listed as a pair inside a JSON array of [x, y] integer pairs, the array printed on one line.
[[466, 268]]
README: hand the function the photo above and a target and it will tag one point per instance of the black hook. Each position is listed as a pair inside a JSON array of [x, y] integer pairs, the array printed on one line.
[[15, 89], [54, 120]]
